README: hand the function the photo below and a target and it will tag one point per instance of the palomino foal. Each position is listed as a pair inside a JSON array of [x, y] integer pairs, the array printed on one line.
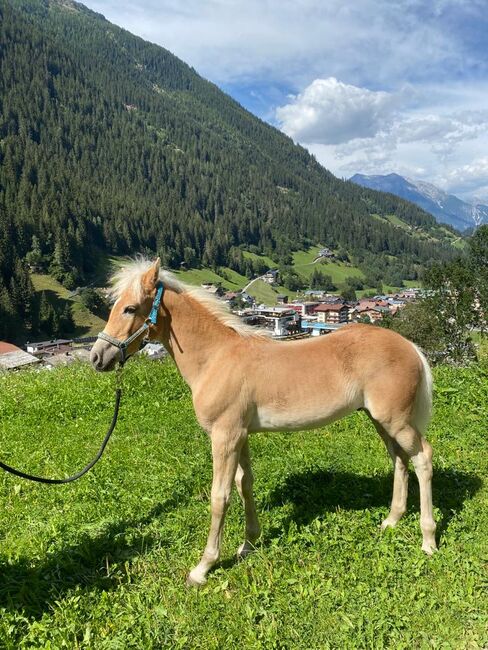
[[241, 382]]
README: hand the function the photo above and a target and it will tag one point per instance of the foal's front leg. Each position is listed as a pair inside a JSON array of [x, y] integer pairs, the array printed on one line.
[[226, 448]]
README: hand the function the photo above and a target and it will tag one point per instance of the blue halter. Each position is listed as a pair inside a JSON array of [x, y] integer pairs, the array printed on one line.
[[150, 320]]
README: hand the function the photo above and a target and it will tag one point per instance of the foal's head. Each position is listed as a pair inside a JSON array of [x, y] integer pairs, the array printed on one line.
[[130, 311]]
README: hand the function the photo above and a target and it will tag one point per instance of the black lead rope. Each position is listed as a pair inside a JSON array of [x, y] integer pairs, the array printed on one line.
[[122, 345], [87, 468]]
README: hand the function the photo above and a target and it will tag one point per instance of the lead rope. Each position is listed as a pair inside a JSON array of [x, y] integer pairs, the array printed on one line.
[[87, 468]]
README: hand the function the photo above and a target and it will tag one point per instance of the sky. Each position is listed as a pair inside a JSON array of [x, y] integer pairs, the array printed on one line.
[[367, 86]]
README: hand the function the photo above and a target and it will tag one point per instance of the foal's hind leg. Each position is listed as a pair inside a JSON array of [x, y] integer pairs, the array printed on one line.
[[400, 478], [244, 481], [420, 452]]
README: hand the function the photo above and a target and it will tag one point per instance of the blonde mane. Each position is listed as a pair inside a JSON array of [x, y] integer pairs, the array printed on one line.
[[130, 277]]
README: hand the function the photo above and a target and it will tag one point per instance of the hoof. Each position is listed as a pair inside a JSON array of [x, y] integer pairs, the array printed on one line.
[[244, 550], [388, 523], [429, 549], [195, 579]]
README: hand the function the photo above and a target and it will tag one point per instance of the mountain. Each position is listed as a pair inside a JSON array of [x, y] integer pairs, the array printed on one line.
[[112, 145], [446, 208]]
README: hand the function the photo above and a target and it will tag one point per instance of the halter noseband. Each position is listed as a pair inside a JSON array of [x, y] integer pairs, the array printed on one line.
[[150, 320]]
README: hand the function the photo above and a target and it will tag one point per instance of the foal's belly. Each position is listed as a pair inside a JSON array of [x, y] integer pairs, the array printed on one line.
[[297, 419]]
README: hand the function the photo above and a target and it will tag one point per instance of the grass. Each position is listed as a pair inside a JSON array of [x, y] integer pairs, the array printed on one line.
[[339, 271], [264, 293], [438, 232], [264, 258], [101, 563], [87, 323], [230, 279]]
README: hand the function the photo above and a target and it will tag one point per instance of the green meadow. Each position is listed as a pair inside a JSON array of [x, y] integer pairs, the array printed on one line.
[[86, 323], [303, 263], [101, 563]]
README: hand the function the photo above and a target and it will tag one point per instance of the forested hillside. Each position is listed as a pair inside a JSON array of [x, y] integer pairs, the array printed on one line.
[[109, 144]]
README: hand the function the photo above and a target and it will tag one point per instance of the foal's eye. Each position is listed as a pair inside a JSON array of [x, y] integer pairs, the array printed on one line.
[[130, 309]]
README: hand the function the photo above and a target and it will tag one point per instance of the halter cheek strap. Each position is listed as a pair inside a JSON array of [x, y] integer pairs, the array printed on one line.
[[150, 320]]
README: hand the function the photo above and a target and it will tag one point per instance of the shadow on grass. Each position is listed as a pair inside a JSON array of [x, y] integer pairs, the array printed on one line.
[[314, 492], [33, 587]]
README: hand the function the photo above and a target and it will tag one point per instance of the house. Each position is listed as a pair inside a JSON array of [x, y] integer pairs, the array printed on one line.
[[410, 294], [374, 314], [49, 346], [319, 329], [332, 313], [231, 298], [247, 299], [272, 276], [13, 357], [319, 294], [303, 308], [325, 252], [282, 299], [281, 320], [214, 289]]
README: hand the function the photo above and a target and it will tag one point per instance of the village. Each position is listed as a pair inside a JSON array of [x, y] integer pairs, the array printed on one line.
[[312, 313], [315, 313]]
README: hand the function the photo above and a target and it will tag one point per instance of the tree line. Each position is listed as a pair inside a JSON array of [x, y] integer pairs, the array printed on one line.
[[109, 144], [454, 312]]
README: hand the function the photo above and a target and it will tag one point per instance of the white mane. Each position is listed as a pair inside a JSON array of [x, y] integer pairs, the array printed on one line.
[[130, 277]]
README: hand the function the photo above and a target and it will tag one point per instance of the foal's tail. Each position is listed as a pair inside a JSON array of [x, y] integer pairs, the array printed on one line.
[[422, 410]]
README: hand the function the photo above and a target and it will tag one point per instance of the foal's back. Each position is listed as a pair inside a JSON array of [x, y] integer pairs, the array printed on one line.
[[303, 384]]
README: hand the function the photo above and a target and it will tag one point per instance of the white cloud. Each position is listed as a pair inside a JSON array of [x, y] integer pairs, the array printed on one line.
[[294, 41], [330, 112], [399, 86], [428, 142], [470, 178], [443, 131]]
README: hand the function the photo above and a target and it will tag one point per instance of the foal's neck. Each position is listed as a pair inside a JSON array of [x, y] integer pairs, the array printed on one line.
[[191, 334]]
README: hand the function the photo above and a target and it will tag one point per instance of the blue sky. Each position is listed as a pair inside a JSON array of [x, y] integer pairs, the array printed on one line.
[[370, 86]]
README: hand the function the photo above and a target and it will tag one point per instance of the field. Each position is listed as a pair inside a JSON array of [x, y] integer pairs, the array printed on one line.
[[229, 279], [339, 271], [438, 233], [87, 324], [102, 563]]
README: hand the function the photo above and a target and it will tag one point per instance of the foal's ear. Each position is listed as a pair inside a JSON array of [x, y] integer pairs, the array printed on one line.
[[151, 277]]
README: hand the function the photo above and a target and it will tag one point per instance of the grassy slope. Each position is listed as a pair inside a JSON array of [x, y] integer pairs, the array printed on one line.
[[87, 324], [101, 563], [339, 271], [230, 279], [304, 266], [264, 293], [267, 260], [438, 233]]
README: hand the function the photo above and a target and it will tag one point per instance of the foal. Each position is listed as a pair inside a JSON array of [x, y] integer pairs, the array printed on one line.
[[242, 381]]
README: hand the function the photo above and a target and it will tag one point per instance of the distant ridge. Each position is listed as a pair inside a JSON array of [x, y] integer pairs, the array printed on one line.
[[446, 208]]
